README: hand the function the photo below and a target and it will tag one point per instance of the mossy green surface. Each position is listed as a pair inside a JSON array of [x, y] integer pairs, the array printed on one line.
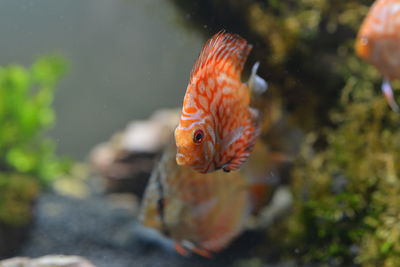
[[346, 177], [348, 194]]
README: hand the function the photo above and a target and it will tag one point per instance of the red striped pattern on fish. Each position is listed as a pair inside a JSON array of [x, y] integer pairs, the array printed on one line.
[[217, 127]]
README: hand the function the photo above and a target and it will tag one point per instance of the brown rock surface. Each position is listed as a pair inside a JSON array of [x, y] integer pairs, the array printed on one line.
[[126, 160]]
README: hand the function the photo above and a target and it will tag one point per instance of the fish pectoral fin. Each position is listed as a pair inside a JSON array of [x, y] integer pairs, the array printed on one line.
[[203, 252], [388, 93], [240, 157], [250, 136], [256, 83]]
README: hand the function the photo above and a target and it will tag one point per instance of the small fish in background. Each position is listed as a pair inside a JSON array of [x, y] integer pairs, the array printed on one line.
[[218, 129], [202, 213], [378, 42]]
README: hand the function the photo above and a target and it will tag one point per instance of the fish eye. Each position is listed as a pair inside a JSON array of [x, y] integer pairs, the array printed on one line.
[[198, 136], [364, 40]]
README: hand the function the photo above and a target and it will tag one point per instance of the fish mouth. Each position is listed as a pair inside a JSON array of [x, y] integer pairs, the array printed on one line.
[[180, 159], [184, 160], [362, 46]]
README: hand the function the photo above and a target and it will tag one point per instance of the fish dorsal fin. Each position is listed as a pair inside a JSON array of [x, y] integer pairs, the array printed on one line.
[[225, 52]]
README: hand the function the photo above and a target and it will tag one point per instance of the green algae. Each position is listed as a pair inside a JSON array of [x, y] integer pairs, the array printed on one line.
[[17, 196], [347, 195]]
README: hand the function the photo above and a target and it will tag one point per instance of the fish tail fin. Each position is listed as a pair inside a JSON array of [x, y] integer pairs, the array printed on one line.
[[226, 52], [256, 83], [203, 252], [388, 93], [186, 249]]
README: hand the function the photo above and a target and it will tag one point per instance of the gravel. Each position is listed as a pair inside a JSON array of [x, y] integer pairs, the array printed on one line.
[[104, 229]]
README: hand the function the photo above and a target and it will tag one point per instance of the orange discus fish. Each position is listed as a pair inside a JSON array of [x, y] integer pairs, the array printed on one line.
[[218, 129], [378, 42]]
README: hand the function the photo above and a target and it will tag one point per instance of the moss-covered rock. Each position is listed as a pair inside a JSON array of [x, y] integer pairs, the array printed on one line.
[[17, 197]]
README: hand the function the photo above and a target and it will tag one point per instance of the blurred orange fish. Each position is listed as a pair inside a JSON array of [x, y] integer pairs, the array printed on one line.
[[218, 129], [378, 42], [202, 213]]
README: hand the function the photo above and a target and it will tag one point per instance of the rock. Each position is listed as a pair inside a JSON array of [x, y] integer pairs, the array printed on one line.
[[150, 136], [11, 237], [127, 159], [47, 261], [18, 198]]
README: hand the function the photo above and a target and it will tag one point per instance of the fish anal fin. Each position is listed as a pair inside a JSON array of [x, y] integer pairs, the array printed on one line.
[[181, 250], [186, 247], [244, 153]]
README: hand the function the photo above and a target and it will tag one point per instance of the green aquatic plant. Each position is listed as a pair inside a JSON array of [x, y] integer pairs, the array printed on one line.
[[27, 157], [26, 96]]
